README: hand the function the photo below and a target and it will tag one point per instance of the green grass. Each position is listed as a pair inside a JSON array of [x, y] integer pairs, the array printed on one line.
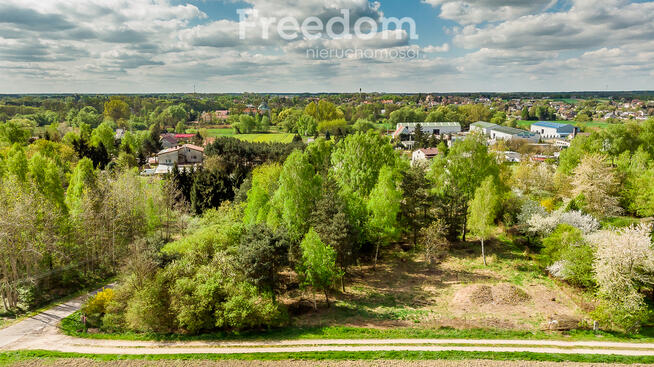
[[619, 222], [18, 356], [584, 125], [72, 324], [272, 137], [266, 138]]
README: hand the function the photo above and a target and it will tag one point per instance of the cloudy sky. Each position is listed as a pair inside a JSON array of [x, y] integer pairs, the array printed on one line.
[[141, 46]]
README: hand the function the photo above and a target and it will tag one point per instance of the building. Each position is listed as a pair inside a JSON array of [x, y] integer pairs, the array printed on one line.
[[168, 141], [482, 127], [509, 133], [553, 130], [423, 155], [404, 132], [185, 154]]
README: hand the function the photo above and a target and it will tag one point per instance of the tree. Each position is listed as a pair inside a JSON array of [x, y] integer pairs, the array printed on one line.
[[383, 208], [261, 255], [104, 135], [116, 109], [307, 125], [455, 178], [299, 187], [415, 205], [318, 265], [595, 183], [180, 128], [330, 221], [624, 262], [434, 241], [246, 124], [265, 180], [482, 211], [419, 137], [16, 131]]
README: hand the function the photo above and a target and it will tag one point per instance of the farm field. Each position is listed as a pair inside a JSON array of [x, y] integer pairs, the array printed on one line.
[[587, 126], [272, 137]]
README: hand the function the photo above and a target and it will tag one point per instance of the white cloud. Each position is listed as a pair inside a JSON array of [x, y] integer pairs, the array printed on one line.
[[445, 47], [480, 11]]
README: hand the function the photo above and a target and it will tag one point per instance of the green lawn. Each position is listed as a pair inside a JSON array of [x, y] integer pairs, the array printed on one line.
[[272, 137], [584, 125], [72, 326], [8, 358]]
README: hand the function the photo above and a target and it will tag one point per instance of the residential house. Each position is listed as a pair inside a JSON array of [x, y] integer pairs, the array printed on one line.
[[168, 141], [423, 155], [553, 130], [187, 154]]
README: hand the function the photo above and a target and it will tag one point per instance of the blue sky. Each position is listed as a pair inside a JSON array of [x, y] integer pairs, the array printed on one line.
[[142, 46]]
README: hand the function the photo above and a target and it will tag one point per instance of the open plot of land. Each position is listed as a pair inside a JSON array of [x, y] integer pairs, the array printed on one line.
[[272, 137], [511, 293]]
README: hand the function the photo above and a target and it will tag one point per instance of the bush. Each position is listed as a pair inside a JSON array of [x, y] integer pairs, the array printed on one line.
[[568, 256], [95, 307]]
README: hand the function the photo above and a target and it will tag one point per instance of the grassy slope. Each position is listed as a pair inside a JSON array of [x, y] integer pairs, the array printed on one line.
[[13, 357]]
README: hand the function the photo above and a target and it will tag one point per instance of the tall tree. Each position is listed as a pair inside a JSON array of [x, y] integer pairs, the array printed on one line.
[[318, 265], [483, 209], [383, 208]]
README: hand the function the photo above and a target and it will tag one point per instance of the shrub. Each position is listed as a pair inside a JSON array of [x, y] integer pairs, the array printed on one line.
[[434, 241], [96, 306]]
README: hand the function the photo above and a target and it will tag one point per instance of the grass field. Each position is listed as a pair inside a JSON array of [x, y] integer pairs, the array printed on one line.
[[272, 137], [586, 126], [49, 358]]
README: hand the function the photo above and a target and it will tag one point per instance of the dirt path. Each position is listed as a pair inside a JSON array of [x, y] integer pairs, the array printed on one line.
[[41, 332]]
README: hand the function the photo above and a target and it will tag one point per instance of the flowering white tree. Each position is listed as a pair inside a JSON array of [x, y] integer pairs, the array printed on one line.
[[595, 180], [624, 261], [545, 224]]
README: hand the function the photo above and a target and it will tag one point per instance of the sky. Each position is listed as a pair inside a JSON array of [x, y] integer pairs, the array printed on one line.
[[220, 46]]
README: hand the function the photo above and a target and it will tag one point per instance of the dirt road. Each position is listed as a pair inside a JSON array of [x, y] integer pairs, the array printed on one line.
[[41, 332]]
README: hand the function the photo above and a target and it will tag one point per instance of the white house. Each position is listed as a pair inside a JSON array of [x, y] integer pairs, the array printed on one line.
[[423, 155], [184, 154], [552, 130], [405, 131]]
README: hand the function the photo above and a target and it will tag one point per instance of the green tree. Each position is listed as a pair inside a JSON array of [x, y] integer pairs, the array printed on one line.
[[180, 128], [82, 179], [17, 163], [330, 221], [116, 109], [261, 255], [104, 134], [383, 208], [265, 180], [415, 207], [455, 178], [482, 212], [299, 188], [318, 266]]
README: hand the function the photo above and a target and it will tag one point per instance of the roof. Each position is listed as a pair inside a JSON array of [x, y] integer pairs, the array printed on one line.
[[550, 124], [189, 146], [429, 124], [483, 124], [511, 130], [429, 151], [184, 136], [169, 138]]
